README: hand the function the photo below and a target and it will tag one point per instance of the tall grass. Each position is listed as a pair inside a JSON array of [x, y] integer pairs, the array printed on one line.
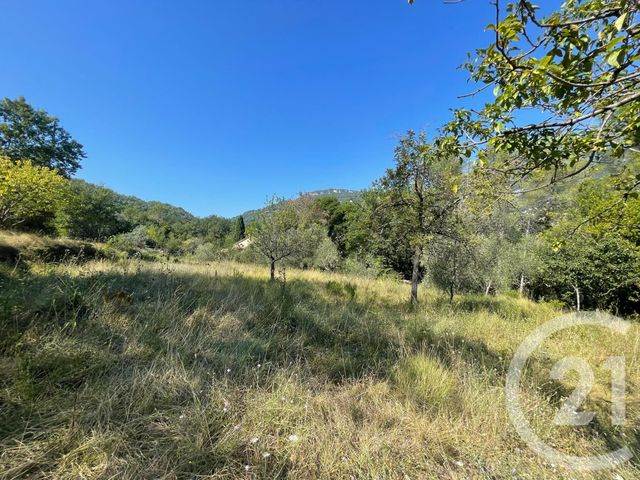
[[140, 370]]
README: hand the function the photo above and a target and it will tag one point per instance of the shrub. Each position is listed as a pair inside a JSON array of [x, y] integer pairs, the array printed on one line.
[[327, 256], [206, 252], [29, 194]]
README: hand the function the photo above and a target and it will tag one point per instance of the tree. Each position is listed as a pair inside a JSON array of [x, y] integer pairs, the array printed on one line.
[[28, 191], [576, 72], [590, 271], [241, 228], [421, 195], [327, 256], [92, 213], [34, 135], [280, 233], [591, 255]]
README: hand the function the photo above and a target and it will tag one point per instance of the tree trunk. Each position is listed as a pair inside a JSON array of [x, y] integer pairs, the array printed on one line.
[[524, 257], [577, 290], [415, 277], [454, 274], [487, 288], [273, 269]]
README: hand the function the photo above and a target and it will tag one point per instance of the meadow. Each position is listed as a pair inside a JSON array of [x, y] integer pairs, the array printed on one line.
[[129, 369]]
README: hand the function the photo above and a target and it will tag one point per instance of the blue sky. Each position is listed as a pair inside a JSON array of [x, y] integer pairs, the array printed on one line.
[[214, 106]]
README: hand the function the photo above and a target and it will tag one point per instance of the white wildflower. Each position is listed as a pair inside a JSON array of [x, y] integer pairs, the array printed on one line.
[[293, 438]]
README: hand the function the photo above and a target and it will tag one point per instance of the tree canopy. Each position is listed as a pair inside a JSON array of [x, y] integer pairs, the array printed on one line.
[[281, 232], [34, 135]]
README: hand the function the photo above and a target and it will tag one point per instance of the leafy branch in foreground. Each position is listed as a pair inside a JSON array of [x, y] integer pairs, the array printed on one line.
[[574, 72]]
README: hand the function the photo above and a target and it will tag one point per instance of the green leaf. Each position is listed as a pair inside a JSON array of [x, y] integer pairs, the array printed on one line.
[[619, 23], [545, 61], [614, 59]]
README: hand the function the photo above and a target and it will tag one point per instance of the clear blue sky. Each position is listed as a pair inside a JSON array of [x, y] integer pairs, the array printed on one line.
[[213, 106]]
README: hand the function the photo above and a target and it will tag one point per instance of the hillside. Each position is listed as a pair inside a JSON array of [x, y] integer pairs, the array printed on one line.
[[343, 195], [161, 213]]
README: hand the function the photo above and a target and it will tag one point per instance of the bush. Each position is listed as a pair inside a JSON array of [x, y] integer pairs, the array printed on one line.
[[29, 195], [369, 267], [327, 256], [132, 243], [206, 252]]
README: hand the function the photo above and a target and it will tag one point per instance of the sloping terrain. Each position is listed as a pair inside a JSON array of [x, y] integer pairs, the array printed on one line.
[[141, 370]]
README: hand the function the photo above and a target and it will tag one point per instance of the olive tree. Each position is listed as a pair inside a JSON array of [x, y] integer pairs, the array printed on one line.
[[281, 232]]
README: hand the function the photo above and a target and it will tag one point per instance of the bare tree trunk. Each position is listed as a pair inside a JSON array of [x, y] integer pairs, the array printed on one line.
[[454, 276], [577, 290], [487, 288], [273, 269], [415, 276], [524, 258]]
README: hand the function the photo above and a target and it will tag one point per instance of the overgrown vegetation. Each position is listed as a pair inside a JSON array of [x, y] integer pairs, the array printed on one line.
[[148, 370], [139, 341]]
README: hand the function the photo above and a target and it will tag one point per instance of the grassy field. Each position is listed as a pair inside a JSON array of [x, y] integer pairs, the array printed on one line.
[[149, 370]]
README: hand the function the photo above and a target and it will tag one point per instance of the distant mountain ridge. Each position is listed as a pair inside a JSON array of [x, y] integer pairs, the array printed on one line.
[[342, 194], [162, 212]]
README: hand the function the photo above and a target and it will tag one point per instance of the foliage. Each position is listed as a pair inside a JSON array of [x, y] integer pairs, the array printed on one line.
[[593, 249], [34, 135], [92, 213], [240, 228], [281, 232], [420, 195], [576, 70], [327, 256], [28, 191], [206, 252], [604, 271], [131, 242]]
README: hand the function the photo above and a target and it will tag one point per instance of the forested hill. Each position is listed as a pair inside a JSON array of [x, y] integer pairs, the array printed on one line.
[[94, 212]]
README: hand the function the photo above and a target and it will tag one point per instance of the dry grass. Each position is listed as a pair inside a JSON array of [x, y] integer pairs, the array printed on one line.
[[139, 370], [29, 247]]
